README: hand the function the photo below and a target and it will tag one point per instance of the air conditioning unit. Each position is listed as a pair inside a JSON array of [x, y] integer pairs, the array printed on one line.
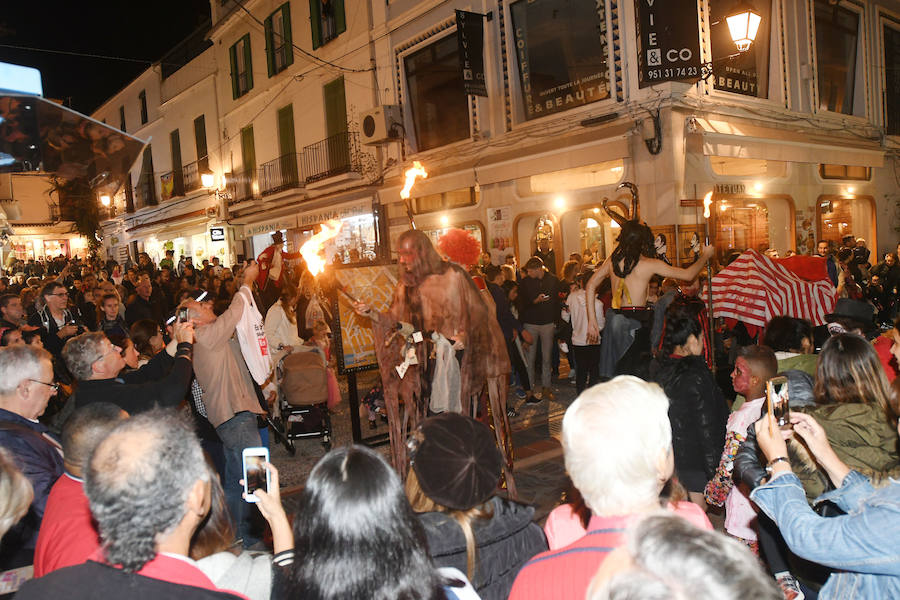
[[381, 124]]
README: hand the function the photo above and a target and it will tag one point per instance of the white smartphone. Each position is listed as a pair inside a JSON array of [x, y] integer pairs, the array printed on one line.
[[256, 476]]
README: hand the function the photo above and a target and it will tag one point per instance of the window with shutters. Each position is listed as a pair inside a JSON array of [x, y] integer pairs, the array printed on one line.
[[327, 20], [121, 118], [892, 78], [839, 69], [279, 48], [241, 67], [142, 98]]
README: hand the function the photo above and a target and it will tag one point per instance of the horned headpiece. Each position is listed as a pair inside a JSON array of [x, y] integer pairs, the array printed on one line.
[[635, 214]]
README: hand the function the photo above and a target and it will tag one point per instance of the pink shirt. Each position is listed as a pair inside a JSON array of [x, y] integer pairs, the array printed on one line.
[[564, 527], [739, 513]]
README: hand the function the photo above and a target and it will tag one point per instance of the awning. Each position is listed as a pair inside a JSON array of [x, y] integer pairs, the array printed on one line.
[[740, 140]]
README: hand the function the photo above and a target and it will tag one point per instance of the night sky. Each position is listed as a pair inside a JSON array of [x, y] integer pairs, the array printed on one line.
[[138, 30]]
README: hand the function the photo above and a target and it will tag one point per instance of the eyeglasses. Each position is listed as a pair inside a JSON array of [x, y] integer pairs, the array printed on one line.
[[55, 386], [112, 350], [61, 294]]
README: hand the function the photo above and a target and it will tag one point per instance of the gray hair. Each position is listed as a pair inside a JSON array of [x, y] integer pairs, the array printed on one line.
[[675, 560], [82, 351], [19, 363], [138, 481], [613, 437]]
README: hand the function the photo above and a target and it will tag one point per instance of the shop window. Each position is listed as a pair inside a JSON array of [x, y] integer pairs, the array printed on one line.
[[327, 19], [837, 40], [748, 72], [559, 72], [592, 231], [742, 223], [747, 167], [279, 49], [892, 79], [839, 216], [445, 201], [241, 67], [440, 108], [845, 172]]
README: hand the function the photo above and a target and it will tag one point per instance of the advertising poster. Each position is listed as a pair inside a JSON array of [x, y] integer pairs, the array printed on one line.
[[470, 36], [354, 337], [668, 36]]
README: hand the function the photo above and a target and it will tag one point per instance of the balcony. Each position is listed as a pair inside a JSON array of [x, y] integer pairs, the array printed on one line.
[[332, 156], [191, 174], [279, 174], [241, 186]]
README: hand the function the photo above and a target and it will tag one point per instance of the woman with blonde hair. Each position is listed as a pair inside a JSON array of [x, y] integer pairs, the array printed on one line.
[[455, 470], [16, 491]]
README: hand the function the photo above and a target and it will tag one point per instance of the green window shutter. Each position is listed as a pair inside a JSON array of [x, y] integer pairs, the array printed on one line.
[[315, 22], [340, 21], [286, 142], [235, 84], [270, 46], [288, 39], [248, 61]]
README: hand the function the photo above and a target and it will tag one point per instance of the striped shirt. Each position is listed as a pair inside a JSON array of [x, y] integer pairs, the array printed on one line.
[[565, 573]]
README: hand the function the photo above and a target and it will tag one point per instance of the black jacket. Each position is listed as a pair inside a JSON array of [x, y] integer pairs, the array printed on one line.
[[503, 543], [161, 382], [698, 414], [539, 313]]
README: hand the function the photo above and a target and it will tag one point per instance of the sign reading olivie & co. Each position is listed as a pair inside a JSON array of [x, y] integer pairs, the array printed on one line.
[[668, 36]]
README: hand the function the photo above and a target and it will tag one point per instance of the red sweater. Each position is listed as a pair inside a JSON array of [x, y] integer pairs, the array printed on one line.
[[67, 536]]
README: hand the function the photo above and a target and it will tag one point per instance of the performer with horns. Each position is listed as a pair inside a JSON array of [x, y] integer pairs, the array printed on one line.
[[626, 340]]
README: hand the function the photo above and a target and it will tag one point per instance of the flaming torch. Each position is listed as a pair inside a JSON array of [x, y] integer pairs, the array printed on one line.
[[417, 170], [311, 249], [707, 201]]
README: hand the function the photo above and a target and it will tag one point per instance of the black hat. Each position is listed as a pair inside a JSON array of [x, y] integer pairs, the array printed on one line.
[[860, 311], [456, 460]]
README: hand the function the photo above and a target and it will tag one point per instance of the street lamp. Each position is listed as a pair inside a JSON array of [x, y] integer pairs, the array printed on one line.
[[105, 200], [743, 24], [207, 179]]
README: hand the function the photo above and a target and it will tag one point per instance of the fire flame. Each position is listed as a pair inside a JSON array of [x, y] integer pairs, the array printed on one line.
[[417, 170], [314, 245], [707, 200]]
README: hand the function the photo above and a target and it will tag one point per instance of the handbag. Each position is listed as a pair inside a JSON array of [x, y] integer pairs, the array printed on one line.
[[251, 336]]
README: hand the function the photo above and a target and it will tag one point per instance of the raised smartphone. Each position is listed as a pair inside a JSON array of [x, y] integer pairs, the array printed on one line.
[[777, 395], [256, 476]]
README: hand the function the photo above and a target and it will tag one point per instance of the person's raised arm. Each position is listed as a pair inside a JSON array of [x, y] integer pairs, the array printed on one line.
[[683, 273], [593, 329]]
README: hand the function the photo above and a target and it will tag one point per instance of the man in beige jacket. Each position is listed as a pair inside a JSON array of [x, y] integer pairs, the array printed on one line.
[[228, 393]]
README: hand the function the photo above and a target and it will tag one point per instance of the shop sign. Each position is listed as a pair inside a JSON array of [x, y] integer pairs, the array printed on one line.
[[668, 36], [251, 230], [217, 234], [560, 72], [470, 37], [731, 188], [353, 210]]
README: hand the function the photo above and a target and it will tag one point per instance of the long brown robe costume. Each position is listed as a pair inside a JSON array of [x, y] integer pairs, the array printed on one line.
[[445, 301]]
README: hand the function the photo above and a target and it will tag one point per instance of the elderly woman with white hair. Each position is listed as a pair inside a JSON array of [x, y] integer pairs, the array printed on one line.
[[617, 443]]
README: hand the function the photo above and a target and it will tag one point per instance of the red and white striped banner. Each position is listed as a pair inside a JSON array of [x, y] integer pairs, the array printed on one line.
[[755, 288]]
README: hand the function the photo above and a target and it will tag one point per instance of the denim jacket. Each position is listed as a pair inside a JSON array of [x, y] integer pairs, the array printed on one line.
[[862, 544]]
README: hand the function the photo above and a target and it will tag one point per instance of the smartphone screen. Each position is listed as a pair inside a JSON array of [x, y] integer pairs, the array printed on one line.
[[182, 315], [256, 476], [777, 394]]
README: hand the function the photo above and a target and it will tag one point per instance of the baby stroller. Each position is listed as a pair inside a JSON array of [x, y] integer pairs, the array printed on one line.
[[302, 407]]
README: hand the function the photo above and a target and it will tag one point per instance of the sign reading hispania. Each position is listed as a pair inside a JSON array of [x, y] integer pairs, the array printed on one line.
[[470, 36], [561, 50], [668, 41]]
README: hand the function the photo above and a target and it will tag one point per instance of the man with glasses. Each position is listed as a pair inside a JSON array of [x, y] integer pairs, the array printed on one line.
[[97, 364], [26, 385], [56, 321]]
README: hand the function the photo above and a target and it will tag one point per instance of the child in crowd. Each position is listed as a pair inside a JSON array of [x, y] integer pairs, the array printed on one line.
[[321, 339]]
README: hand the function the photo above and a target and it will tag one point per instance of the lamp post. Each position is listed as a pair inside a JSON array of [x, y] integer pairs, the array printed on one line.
[[208, 181]]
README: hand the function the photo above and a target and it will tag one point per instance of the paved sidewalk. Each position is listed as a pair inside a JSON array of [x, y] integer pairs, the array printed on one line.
[[539, 470]]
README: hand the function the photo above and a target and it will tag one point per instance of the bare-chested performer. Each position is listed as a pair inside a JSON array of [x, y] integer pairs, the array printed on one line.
[[626, 337], [434, 295]]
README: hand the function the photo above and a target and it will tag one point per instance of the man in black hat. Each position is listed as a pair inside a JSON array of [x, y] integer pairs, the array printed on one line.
[[852, 316]]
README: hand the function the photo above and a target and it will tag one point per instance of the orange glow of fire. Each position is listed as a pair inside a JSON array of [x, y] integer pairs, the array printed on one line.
[[314, 245], [707, 200], [417, 170]]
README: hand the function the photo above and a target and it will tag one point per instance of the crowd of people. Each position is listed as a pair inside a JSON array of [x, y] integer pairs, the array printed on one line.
[[125, 404]]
